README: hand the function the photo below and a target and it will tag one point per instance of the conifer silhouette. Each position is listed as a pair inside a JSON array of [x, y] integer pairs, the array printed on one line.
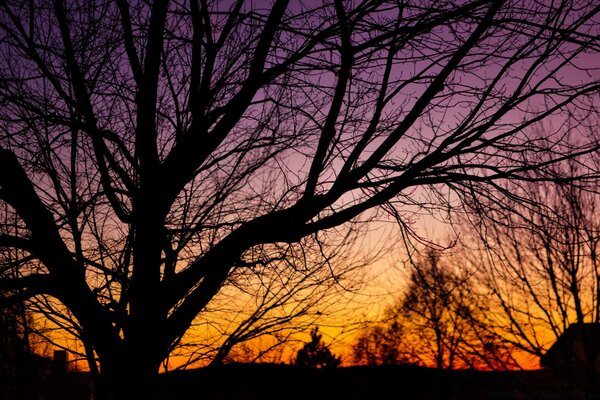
[[316, 354]]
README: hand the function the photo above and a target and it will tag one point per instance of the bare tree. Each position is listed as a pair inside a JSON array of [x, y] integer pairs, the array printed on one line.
[[541, 265], [440, 320], [382, 344], [151, 152]]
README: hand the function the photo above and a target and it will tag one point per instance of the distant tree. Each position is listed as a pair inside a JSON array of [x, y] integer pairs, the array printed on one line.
[[540, 263], [447, 316], [440, 315], [381, 344], [160, 157], [439, 320], [316, 354]]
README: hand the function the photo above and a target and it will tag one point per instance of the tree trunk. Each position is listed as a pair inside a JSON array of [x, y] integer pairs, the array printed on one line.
[[440, 349], [129, 378]]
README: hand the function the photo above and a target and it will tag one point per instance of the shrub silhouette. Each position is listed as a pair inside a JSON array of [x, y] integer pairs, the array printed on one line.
[[316, 354]]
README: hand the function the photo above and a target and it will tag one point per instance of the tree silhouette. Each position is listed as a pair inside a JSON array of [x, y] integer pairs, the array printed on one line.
[[449, 317], [157, 156], [440, 320], [382, 344], [316, 354], [541, 266]]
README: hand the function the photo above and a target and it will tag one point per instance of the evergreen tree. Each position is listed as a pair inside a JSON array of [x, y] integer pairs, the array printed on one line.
[[316, 354]]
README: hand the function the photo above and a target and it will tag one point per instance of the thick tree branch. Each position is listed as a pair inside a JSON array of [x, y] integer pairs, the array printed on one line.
[[328, 130], [128, 39], [39, 283], [15, 241], [146, 97], [17, 190]]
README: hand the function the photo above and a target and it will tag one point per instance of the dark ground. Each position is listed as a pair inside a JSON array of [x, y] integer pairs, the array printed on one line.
[[282, 382], [270, 382]]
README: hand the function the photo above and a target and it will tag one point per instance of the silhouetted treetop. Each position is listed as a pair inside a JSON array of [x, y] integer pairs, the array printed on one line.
[[316, 353]]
